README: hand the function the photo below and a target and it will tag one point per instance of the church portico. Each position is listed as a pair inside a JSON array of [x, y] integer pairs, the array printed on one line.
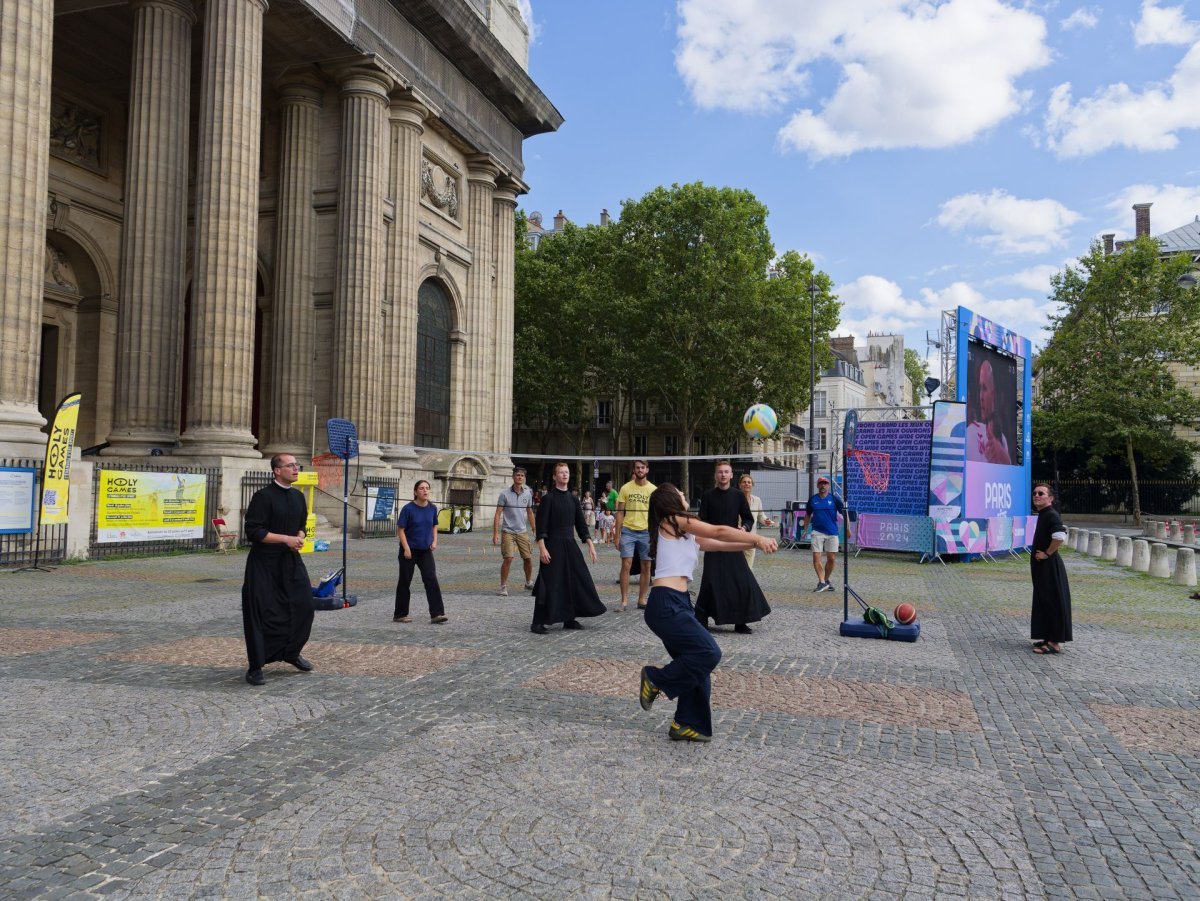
[[254, 197]]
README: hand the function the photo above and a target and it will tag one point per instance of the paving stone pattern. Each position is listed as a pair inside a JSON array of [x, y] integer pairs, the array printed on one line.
[[476, 760]]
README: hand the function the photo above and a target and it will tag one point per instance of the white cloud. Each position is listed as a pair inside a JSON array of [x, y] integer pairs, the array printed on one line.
[[525, 7], [912, 74], [1164, 25], [1118, 116], [1174, 205], [1082, 18], [1012, 225], [1035, 279]]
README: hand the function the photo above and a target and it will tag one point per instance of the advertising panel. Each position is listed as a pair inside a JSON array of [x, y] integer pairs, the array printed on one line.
[[893, 532], [380, 502], [17, 499], [149, 506], [56, 475], [1000, 534]]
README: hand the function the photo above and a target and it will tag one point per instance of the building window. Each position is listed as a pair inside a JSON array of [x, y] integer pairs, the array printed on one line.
[[640, 416], [699, 446], [604, 412], [434, 322], [819, 403], [821, 442], [670, 448], [640, 445]]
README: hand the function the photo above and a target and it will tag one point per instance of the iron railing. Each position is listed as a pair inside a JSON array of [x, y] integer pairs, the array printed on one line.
[[1115, 497]]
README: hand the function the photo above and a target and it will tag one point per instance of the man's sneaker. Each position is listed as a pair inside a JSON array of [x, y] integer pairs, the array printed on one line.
[[649, 692], [529, 586], [503, 592], [828, 586], [439, 619], [820, 587], [402, 619], [686, 733]]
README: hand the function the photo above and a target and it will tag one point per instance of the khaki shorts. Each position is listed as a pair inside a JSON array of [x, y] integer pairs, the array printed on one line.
[[823, 544], [512, 542]]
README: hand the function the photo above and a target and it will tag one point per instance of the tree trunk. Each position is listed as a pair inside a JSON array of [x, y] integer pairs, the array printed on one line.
[[685, 464], [1133, 481]]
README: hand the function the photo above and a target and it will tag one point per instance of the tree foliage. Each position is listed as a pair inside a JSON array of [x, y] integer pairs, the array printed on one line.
[[671, 303], [1105, 381], [917, 371]]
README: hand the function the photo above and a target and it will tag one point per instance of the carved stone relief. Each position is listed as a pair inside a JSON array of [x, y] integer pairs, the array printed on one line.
[[76, 133], [439, 188], [59, 272]]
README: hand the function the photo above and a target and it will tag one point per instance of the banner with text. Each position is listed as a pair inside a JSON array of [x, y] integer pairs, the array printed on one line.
[[16, 499], [149, 506], [893, 532], [56, 476]]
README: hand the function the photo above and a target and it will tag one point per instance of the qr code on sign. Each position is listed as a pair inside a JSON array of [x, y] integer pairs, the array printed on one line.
[[50, 497]]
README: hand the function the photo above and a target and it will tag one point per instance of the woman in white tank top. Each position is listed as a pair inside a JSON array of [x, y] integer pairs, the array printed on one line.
[[676, 538]]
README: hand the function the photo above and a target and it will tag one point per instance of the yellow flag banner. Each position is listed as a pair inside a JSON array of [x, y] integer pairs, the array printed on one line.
[[56, 477]]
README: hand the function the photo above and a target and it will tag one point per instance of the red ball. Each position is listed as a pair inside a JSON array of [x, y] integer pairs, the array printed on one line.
[[905, 613]]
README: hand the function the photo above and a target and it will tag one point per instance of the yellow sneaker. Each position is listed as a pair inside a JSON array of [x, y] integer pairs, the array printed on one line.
[[686, 733], [648, 692]]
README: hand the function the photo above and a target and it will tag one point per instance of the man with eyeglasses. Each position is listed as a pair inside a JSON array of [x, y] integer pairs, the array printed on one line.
[[277, 608]]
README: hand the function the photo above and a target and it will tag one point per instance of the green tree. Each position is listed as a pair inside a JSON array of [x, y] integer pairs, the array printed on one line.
[[1105, 381], [713, 333], [917, 371]]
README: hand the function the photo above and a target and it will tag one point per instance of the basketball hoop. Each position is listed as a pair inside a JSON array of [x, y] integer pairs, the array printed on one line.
[[329, 470], [875, 466]]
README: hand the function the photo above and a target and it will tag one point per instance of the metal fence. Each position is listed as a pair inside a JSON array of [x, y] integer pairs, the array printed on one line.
[[48, 543], [1158, 498], [207, 539]]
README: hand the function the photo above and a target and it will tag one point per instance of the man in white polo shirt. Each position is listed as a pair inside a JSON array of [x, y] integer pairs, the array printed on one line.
[[511, 528]]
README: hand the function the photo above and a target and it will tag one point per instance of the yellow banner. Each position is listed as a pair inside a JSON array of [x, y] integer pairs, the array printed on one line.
[[56, 477], [307, 482], [149, 506]]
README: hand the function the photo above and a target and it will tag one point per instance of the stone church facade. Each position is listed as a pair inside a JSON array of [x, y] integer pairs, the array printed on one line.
[[226, 221]]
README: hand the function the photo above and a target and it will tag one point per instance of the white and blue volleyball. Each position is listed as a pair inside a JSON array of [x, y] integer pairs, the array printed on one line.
[[760, 421]]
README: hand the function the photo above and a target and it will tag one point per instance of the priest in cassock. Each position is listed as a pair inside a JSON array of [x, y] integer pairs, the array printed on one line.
[[277, 606], [564, 590], [729, 592]]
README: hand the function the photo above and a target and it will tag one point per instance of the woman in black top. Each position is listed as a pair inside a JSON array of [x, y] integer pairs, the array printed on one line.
[[1050, 622]]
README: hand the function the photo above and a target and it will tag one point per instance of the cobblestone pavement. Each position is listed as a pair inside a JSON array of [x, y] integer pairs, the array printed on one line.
[[476, 760]]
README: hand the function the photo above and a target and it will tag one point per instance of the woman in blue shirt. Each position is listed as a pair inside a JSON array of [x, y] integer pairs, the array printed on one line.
[[417, 529]]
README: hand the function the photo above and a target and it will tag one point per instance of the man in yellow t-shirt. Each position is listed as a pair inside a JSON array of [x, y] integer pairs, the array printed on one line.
[[633, 527]]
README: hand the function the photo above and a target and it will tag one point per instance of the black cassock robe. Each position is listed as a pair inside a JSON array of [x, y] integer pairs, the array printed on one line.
[[277, 606], [729, 593], [564, 589], [1051, 617]]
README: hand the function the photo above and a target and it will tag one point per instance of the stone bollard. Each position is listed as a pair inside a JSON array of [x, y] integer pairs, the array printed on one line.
[[1095, 544], [1073, 537], [1189, 534], [1125, 551], [1108, 549], [1148, 528], [1140, 559], [1176, 533], [1160, 530], [1185, 566], [1160, 560]]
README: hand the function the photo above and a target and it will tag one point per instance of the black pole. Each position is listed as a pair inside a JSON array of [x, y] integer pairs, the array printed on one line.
[[812, 377], [846, 543], [345, 519]]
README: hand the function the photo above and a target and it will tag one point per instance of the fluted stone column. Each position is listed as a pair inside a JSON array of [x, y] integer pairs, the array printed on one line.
[[154, 233], [505, 205], [26, 31], [407, 117], [480, 380], [358, 285], [293, 320], [224, 286]]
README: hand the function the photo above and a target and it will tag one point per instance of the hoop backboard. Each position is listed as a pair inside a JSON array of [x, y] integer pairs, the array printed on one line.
[[343, 438]]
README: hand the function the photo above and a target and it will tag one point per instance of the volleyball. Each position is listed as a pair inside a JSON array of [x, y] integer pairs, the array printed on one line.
[[760, 421], [905, 613]]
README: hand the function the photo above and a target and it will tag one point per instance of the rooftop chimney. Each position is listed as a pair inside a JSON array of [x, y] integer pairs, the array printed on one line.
[[1108, 243], [559, 221], [1141, 219], [604, 217]]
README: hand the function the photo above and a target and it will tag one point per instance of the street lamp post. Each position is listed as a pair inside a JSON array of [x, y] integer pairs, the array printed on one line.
[[812, 379]]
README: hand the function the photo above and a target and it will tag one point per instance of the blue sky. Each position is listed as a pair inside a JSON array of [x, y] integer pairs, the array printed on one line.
[[924, 154]]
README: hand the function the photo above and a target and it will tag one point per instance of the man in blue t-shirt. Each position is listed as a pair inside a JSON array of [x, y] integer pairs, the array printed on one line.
[[822, 510]]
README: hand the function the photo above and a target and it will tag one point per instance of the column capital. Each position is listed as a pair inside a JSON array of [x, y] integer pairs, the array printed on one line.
[[363, 76], [508, 189], [300, 84], [483, 168], [408, 110], [182, 8]]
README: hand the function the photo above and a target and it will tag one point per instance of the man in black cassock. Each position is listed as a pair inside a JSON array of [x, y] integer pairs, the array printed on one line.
[[729, 592], [1050, 621], [564, 590], [277, 606]]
